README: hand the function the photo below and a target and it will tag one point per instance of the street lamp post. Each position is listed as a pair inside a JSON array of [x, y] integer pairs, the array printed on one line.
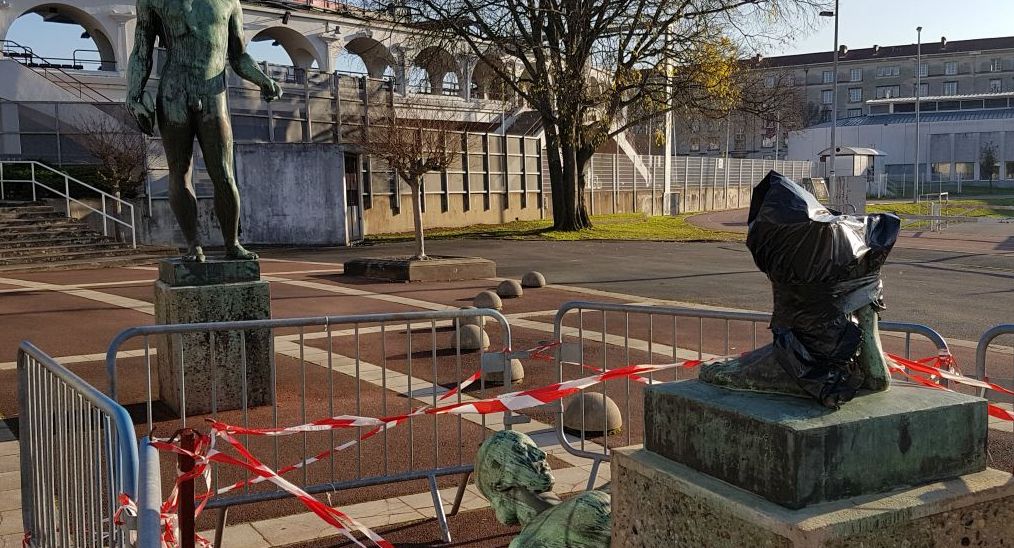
[[832, 182], [918, 91]]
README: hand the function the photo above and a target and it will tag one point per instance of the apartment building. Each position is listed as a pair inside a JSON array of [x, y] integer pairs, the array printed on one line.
[[949, 68]]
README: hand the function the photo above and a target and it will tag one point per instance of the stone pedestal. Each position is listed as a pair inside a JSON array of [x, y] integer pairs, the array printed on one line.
[[729, 468], [216, 367], [657, 502]]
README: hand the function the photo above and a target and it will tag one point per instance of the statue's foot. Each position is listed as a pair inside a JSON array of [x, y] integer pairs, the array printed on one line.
[[238, 253], [872, 361], [194, 255], [756, 371]]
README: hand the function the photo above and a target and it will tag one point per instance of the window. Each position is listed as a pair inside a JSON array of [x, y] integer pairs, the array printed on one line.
[[887, 72], [695, 127], [739, 141], [887, 92], [996, 65], [856, 75], [826, 97], [950, 88], [923, 90], [828, 77], [770, 124], [854, 113], [855, 95], [769, 82], [768, 142], [995, 85], [924, 70], [940, 171], [964, 171], [713, 144], [1008, 170], [695, 144], [951, 68], [825, 115]]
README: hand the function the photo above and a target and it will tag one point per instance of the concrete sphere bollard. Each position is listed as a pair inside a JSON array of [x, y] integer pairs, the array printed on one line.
[[533, 279], [474, 320], [601, 415], [493, 369], [488, 299], [471, 337], [509, 289]]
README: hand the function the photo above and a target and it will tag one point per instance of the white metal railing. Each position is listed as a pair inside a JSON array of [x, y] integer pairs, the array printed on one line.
[[34, 168], [78, 455]]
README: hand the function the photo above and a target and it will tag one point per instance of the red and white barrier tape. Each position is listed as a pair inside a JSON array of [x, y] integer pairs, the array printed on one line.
[[513, 401]]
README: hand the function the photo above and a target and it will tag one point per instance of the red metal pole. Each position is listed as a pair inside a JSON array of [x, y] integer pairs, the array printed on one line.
[[188, 441]]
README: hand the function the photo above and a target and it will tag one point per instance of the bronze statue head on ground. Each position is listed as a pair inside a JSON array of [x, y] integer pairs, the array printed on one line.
[[514, 476], [200, 38], [824, 269]]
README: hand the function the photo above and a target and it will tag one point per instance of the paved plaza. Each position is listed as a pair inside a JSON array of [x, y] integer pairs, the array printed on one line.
[[73, 315]]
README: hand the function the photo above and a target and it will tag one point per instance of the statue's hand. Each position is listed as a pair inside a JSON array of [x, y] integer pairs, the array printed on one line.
[[143, 110], [271, 91]]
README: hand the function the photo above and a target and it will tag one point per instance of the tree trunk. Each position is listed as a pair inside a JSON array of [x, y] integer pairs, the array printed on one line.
[[569, 218], [420, 243], [555, 168], [584, 156]]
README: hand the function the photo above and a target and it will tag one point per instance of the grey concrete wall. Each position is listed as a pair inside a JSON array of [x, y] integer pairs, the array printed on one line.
[[291, 194]]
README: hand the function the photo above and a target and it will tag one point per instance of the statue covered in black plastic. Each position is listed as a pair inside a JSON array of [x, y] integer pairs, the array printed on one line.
[[824, 269]]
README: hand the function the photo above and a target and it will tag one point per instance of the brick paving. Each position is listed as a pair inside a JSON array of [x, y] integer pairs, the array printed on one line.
[[73, 315]]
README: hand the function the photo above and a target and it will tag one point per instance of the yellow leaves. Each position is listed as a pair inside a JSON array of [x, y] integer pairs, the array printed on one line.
[[712, 66]]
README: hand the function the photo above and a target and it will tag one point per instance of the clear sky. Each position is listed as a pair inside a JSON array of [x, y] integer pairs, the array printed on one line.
[[863, 23]]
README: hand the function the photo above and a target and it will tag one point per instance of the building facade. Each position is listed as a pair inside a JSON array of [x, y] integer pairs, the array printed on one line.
[[949, 69], [962, 138]]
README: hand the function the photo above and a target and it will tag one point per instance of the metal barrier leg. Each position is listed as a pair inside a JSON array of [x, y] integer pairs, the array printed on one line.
[[460, 495], [593, 474], [438, 507], [223, 515]]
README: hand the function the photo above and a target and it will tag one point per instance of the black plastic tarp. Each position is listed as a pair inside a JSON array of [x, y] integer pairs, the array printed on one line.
[[823, 266]]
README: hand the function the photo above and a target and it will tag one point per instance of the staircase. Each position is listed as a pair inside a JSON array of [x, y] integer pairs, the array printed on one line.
[[35, 236]]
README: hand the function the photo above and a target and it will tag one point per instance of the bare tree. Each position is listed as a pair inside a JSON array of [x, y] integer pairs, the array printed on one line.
[[989, 166], [593, 68], [413, 145], [123, 155]]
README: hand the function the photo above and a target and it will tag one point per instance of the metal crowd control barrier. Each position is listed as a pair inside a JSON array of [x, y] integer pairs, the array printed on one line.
[[983, 349], [78, 454], [673, 332], [321, 367]]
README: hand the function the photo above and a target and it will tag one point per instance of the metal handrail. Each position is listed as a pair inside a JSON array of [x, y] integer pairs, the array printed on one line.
[[47, 65], [149, 496], [892, 327], [599, 456], [37, 488], [985, 340], [67, 179]]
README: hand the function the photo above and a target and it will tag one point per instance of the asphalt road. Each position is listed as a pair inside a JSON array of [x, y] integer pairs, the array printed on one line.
[[959, 294]]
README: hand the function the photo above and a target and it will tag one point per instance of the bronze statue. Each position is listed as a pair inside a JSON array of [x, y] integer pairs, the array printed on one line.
[[824, 269], [514, 476], [199, 36]]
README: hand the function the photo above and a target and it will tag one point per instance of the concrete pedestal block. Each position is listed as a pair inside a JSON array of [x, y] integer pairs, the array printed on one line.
[[793, 452], [213, 375], [658, 502]]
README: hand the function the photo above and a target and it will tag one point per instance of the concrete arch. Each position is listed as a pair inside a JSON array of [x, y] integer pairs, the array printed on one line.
[[437, 64], [375, 55], [57, 12], [299, 48], [486, 82]]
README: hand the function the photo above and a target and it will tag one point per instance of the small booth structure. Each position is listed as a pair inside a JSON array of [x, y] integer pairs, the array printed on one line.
[[856, 171]]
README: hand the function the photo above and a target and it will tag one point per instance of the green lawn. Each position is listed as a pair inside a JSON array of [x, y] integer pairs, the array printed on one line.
[[954, 208], [624, 226]]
